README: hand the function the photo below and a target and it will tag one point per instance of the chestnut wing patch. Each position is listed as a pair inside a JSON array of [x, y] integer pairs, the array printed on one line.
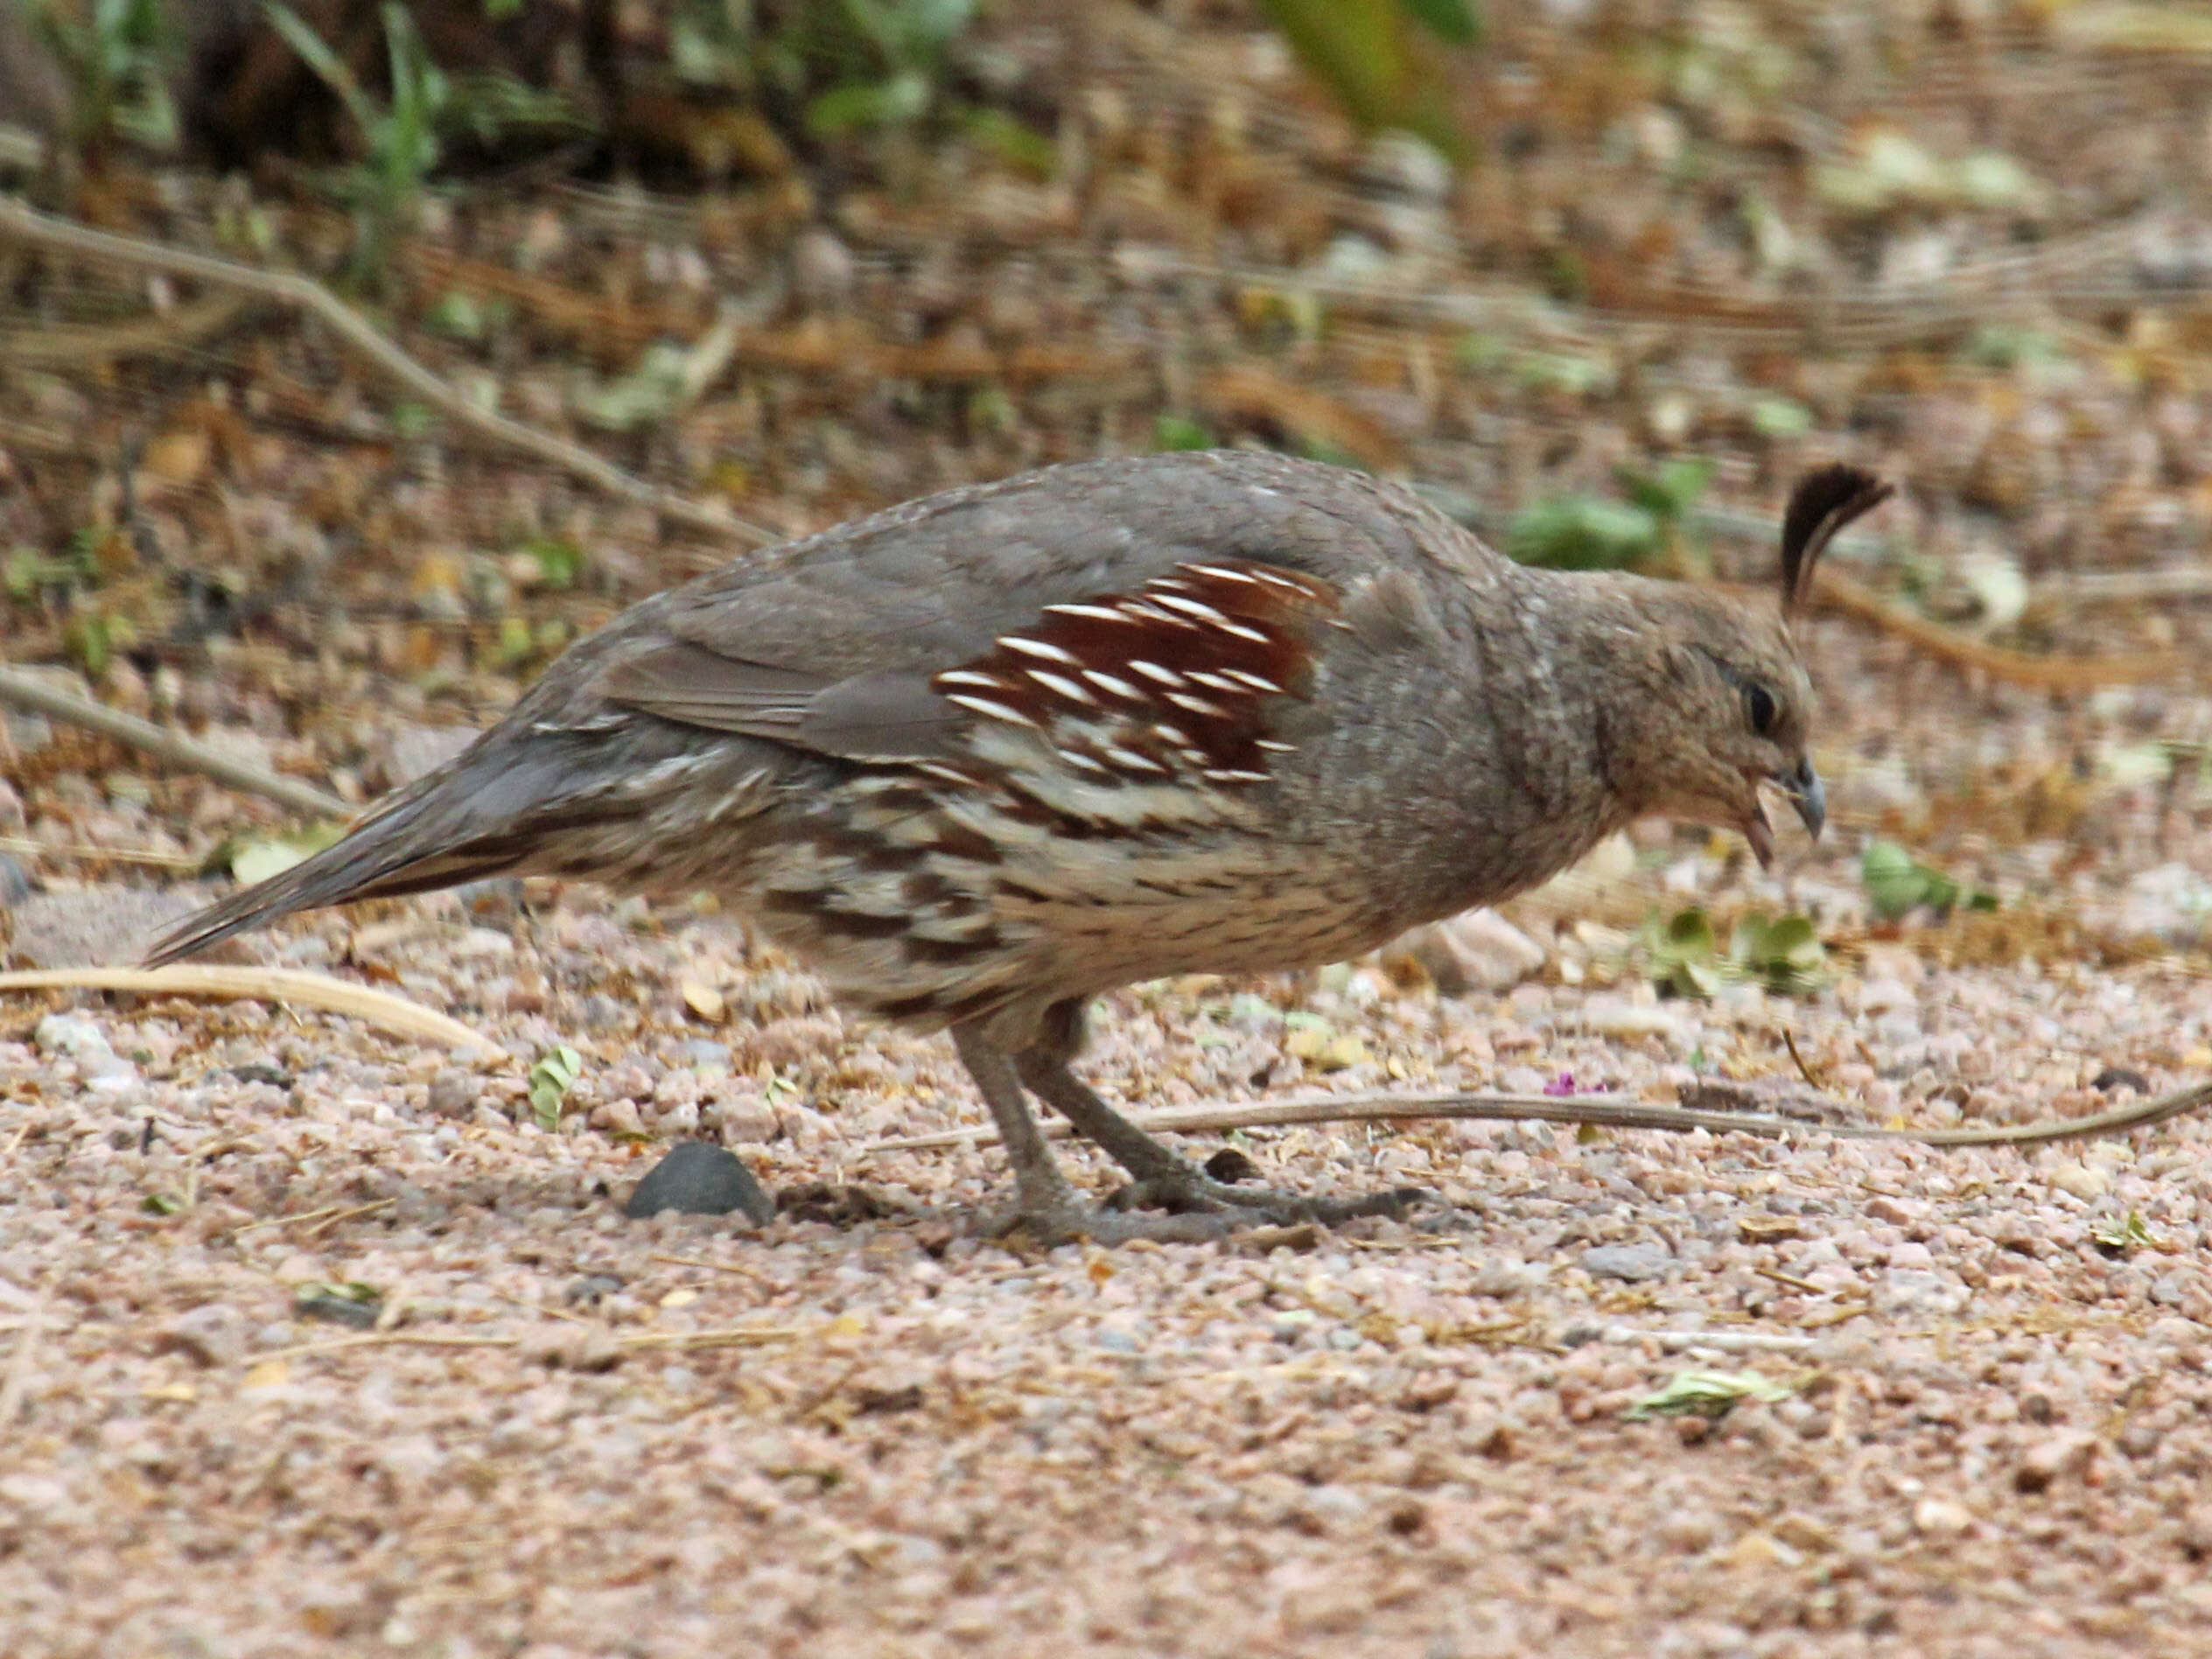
[[1176, 681]]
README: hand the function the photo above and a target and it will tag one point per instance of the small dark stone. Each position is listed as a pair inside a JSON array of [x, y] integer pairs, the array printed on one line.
[[888, 1401], [260, 1071], [588, 1290], [2114, 1077], [700, 1180], [14, 883], [1230, 1166], [337, 1310]]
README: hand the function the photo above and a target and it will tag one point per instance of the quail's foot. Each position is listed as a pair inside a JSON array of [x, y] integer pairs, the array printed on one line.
[[1069, 1221], [1190, 1190]]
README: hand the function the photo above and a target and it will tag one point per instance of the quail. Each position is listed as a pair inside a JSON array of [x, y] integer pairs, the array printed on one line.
[[982, 757]]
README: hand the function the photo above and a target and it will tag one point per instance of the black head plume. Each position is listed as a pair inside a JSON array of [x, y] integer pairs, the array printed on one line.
[[1824, 502]]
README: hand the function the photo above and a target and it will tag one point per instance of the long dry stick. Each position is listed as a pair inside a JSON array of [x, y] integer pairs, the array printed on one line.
[[21, 689], [303, 293], [2052, 673], [1604, 1112]]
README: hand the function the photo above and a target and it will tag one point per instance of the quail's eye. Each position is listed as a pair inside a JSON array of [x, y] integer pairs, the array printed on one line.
[[1759, 703]]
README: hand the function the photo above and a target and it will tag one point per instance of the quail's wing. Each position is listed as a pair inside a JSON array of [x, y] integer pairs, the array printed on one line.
[[839, 644]]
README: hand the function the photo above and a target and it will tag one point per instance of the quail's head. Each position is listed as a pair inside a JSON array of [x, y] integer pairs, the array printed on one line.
[[1723, 705]]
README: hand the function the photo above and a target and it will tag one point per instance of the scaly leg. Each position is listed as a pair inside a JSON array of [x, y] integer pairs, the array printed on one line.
[[1044, 1202], [1163, 1178]]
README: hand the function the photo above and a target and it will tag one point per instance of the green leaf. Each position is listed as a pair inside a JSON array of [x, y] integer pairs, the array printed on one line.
[[550, 1082], [326, 64], [1455, 22], [1180, 433], [1014, 141], [2121, 1235], [252, 862], [559, 563], [1897, 884], [1780, 417], [1670, 493], [1583, 533], [903, 98], [1894, 884], [161, 1204], [1707, 1393], [1365, 52]]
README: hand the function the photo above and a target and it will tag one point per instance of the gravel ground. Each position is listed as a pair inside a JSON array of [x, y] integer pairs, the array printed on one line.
[[861, 1430]]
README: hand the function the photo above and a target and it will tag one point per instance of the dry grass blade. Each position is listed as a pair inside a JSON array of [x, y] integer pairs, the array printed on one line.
[[85, 345], [377, 1008], [736, 1336], [25, 847]]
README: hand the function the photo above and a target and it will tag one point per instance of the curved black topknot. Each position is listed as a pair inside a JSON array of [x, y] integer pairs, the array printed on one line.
[[1825, 501]]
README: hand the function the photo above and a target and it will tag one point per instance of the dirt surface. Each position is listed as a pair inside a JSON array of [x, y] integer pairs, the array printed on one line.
[[870, 1431], [314, 1341]]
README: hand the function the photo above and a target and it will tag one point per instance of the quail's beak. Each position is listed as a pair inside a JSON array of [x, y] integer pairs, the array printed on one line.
[[1802, 787]]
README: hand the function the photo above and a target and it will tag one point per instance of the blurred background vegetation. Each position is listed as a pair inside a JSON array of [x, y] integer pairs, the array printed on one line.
[[1600, 276]]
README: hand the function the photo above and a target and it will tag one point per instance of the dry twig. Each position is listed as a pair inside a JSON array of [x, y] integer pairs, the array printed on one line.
[[2019, 668], [21, 689], [302, 293], [1600, 1110]]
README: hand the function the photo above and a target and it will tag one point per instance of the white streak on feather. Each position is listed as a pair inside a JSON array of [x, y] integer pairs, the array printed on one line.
[[985, 707]]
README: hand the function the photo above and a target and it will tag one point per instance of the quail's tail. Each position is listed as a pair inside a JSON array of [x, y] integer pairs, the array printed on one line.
[[484, 814]]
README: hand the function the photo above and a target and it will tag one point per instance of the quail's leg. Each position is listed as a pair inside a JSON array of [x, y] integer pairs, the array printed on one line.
[[1044, 1202], [1162, 1176]]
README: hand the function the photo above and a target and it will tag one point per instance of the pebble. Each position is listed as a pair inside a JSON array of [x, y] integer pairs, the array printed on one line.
[[2171, 1290], [1511, 1277], [2052, 1459], [212, 1335], [1633, 1262], [453, 1092], [1690, 1531], [1916, 1289], [1475, 950], [699, 1180], [748, 1120], [1941, 1517], [2083, 1181], [1608, 1015], [1119, 1336], [14, 883], [71, 1034], [822, 268], [617, 1116]]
